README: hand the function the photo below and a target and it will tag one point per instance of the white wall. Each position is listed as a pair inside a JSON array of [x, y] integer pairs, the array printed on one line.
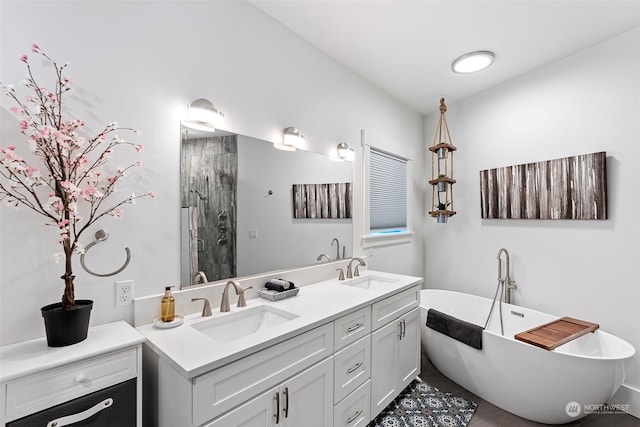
[[141, 63], [584, 103]]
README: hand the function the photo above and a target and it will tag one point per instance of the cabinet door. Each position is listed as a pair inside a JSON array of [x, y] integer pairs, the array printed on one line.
[[395, 359], [307, 399], [261, 411], [409, 350], [304, 400], [384, 359], [221, 390]]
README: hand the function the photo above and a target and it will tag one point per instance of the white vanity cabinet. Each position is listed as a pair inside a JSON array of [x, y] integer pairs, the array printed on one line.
[[395, 347], [298, 371], [338, 373], [371, 372], [303, 400]]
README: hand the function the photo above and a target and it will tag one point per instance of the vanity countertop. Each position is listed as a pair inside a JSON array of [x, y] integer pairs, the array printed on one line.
[[192, 353]]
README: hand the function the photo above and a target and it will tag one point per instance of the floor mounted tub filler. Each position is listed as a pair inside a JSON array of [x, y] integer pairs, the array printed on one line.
[[544, 386]]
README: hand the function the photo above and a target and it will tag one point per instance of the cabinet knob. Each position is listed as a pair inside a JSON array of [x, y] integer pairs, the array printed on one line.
[[81, 379]]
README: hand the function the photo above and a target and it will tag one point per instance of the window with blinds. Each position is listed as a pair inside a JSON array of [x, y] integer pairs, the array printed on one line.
[[387, 192]]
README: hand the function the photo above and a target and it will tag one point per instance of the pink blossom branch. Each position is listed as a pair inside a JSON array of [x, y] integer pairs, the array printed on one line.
[[72, 164], [18, 197], [130, 199]]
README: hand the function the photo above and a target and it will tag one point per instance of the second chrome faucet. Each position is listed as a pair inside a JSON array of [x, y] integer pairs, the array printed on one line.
[[355, 272], [224, 303], [351, 273]]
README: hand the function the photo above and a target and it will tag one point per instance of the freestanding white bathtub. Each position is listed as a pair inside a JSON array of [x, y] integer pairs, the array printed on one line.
[[544, 386]]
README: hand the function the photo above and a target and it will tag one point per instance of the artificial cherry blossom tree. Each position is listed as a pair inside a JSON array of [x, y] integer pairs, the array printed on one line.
[[64, 178]]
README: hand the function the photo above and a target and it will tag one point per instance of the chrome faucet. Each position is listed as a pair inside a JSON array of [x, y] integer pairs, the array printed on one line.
[[323, 256], [199, 277], [506, 281], [206, 309], [224, 303], [337, 247], [356, 272]]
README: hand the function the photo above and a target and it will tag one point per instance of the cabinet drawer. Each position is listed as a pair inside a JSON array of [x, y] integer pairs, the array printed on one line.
[[354, 410], [350, 328], [226, 387], [43, 390], [393, 307], [352, 367], [109, 407]]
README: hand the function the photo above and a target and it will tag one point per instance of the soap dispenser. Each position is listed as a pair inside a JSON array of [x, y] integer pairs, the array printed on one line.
[[168, 308]]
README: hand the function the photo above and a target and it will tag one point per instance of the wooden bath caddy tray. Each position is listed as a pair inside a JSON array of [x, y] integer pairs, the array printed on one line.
[[554, 334]]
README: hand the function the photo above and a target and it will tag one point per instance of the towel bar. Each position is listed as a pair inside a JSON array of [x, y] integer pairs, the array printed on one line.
[[102, 235]]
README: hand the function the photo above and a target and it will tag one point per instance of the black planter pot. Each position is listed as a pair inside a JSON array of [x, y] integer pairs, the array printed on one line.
[[66, 327]]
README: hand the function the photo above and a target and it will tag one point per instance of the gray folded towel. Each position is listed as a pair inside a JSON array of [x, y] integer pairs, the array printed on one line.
[[279, 285], [465, 332]]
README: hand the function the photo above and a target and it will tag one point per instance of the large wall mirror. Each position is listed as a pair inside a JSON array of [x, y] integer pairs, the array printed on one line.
[[237, 208]]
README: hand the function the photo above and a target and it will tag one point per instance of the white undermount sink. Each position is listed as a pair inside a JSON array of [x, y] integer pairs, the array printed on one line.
[[239, 324], [369, 282]]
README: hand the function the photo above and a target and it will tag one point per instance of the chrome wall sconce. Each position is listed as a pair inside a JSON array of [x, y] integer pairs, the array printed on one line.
[[292, 139], [203, 115], [472, 62], [345, 152]]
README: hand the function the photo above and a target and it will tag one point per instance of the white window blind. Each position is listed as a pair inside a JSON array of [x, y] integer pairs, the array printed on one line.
[[387, 191]]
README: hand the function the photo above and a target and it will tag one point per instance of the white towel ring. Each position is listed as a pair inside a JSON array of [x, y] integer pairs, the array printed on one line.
[[102, 235]]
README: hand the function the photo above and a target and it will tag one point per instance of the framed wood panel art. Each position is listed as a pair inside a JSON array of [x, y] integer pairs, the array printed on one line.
[[318, 201], [567, 188]]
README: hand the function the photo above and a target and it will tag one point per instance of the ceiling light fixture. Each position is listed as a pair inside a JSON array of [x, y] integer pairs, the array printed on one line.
[[345, 152], [203, 115], [472, 62], [292, 139]]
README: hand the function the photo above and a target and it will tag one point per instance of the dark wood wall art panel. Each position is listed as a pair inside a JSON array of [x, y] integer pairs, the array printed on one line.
[[317, 201], [568, 188]]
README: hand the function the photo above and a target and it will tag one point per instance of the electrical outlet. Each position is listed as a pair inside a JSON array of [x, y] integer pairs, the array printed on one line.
[[124, 292]]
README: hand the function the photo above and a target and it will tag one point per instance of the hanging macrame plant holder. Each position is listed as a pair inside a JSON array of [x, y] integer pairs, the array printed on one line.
[[442, 179]]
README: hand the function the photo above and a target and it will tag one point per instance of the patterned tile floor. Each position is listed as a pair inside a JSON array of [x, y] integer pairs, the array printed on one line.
[[488, 415], [422, 404]]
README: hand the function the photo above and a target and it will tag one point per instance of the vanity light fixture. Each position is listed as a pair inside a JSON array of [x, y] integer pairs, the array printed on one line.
[[292, 139], [203, 115], [472, 62], [345, 152]]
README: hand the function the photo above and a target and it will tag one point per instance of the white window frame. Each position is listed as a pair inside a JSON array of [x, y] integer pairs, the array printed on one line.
[[370, 240]]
